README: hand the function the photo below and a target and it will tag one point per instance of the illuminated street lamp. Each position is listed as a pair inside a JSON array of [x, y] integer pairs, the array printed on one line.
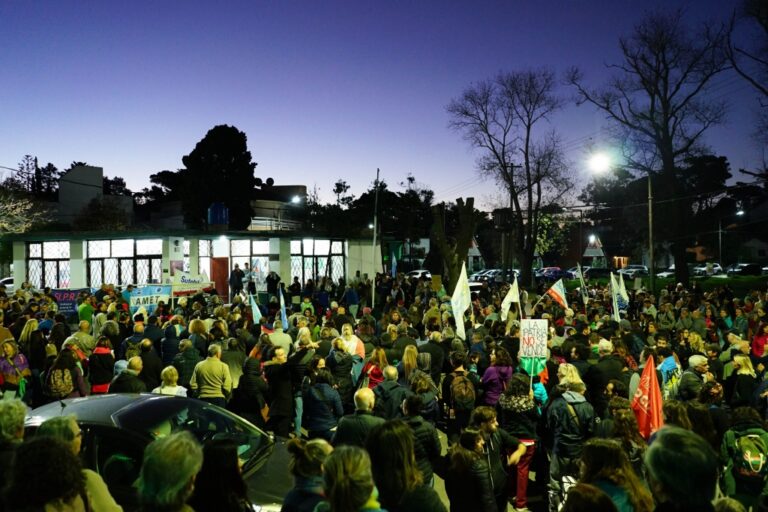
[[600, 163]]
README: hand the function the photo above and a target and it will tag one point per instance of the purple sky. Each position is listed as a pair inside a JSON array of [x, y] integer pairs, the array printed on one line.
[[323, 89]]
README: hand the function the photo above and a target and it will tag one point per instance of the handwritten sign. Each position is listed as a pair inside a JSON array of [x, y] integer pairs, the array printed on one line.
[[533, 338]]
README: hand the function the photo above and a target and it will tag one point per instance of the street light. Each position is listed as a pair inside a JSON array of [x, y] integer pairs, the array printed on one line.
[[739, 213], [592, 239], [600, 163]]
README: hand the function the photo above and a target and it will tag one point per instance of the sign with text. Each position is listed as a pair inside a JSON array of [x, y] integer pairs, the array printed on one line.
[[533, 338], [67, 300], [185, 283], [148, 297]]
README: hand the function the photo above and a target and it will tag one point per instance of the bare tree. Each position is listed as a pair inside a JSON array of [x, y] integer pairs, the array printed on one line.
[[454, 249], [750, 60], [507, 118], [18, 214], [657, 102]]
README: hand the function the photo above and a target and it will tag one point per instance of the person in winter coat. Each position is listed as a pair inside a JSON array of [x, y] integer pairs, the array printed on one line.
[[185, 361], [745, 481], [322, 406], [427, 446], [499, 446], [468, 477], [169, 345], [278, 376], [101, 366], [519, 415], [496, 377], [353, 428], [340, 363], [390, 395], [248, 399], [608, 367], [693, 378], [570, 419], [740, 386], [306, 466]]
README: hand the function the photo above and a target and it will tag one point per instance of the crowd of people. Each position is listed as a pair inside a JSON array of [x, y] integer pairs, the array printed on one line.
[[363, 393]]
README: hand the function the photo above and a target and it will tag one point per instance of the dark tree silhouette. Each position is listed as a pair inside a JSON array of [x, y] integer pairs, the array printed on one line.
[[219, 169], [657, 102]]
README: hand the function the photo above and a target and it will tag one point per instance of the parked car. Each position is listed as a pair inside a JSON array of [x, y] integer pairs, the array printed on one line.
[[669, 272], [707, 269], [8, 283], [117, 428], [597, 272], [552, 274], [744, 269], [418, 274], [633, 271], [573, 272], [476, 276]]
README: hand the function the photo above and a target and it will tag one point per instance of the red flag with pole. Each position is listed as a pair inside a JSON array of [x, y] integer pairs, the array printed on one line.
[[647, 402]]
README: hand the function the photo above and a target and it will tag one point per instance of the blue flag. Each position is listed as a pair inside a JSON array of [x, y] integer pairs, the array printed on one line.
[[283, 316], [255, 310]]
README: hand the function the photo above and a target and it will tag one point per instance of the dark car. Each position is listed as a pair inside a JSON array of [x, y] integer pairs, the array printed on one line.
[[597, 273], [117, 428], [744, 269]]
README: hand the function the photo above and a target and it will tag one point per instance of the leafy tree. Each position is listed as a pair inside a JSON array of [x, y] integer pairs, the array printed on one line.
[[115, 187], [219, 169], [340, 188], [19, 214], [503, 117], [657, 103]]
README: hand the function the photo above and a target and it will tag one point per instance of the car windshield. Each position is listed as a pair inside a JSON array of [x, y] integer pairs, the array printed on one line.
[[161, 417]]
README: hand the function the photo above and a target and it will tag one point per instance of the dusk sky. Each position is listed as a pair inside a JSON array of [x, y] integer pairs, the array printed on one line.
[[323, 89]]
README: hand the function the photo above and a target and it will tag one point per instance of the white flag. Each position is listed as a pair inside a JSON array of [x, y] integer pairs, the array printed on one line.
[[513, 295], [615, 297], [584, 291], [622, 290], [460, 301]]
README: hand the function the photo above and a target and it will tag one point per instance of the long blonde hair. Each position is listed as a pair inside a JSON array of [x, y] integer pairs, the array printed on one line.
[[570, 375], [29, 328], [745, 365], [409, 360]]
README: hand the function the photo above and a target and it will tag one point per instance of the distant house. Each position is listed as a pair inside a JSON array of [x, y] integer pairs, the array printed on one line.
[[78, 187]]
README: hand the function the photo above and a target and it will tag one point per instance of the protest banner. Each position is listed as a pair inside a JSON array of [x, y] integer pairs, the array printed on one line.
[[533, 345], [67, 300], [148, 296]]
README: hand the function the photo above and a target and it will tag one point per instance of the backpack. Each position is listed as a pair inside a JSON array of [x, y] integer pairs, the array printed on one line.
[[59, 383], [462, 393], [749, 455], [132, 349]]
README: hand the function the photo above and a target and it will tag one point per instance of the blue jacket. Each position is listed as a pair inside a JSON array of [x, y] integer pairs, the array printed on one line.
[[322, 407]]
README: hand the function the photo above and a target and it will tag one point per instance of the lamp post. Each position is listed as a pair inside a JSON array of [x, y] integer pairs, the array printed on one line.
[[739, 213], [600, 163]]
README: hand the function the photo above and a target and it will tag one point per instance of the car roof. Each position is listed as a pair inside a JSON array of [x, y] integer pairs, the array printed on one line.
[[93, 409]]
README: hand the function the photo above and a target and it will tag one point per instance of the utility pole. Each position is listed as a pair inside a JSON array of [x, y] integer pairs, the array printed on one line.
[[375, 228], [650, 235]]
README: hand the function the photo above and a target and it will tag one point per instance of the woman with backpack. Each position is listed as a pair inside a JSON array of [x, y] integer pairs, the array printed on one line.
[[64, 378]]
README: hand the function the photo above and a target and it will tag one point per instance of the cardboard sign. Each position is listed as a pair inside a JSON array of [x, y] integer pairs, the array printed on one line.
[[533, 338]]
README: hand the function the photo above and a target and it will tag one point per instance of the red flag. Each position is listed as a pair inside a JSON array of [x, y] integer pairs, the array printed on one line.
[[647, 401]]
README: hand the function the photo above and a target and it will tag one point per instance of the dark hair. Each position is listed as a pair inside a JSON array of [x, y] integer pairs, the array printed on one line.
[[604, 459], [675, 413], [104, 341], [458, 358], [219, 484], [391, 447], [745, 415], [673, 449], [307, 457], [701, 422], [626, 430], [519, 385], [323, 376], [412, 405], [583, 497], [482, 414], [462, 454], [503, 358], [46, 470]]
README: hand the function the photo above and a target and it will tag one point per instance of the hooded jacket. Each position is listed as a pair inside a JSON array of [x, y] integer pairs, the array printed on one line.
[[570, 433]]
